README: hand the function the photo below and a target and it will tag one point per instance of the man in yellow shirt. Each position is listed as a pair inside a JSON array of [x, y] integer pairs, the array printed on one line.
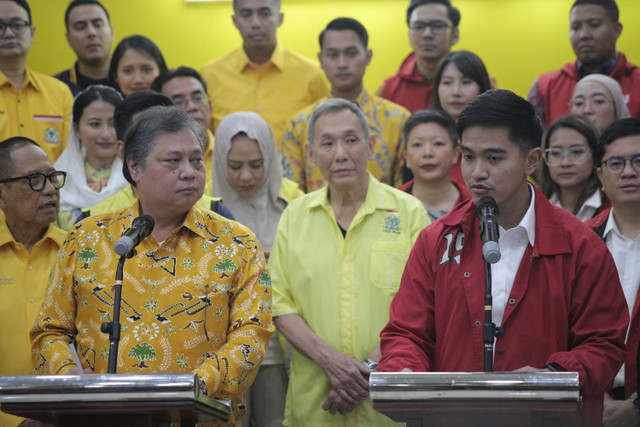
[[263, 76], [344, 57], [197, 295], [336, 264], [188, 91], [29, 198], [32, 104]]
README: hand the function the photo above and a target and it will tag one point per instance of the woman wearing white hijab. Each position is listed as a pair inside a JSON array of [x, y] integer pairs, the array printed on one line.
[[248, 176], [94, 172]]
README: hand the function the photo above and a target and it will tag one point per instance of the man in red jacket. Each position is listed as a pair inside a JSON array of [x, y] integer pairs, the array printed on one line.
[[556, 293], [594, 30], [618, 157], [433, 29]]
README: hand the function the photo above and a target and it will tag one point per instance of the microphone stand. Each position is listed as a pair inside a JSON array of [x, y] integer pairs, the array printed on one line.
[[490, 330], [113, 328]]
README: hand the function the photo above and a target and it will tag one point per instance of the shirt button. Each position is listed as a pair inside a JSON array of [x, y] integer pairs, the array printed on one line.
[[512, 301], [32, 300], [467, 274], [31, 267], [477, 323], [501, 351]]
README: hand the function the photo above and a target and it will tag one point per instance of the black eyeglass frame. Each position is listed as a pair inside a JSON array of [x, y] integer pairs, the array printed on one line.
[[58, 184]]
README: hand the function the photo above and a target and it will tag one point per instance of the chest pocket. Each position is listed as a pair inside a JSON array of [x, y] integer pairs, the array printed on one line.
[[49, 132], [387, 263]]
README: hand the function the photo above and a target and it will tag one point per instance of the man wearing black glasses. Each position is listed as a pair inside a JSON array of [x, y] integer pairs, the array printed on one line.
[[32, 104], [29, 197], [618, 158]]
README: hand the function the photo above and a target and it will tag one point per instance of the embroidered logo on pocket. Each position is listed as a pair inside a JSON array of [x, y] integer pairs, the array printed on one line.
[[52, 136], [392, 224]]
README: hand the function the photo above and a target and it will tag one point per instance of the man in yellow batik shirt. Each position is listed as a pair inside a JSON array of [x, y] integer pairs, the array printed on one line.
[[262, 76], [31, 104], [196, 297], [29, 243], [344, 58]]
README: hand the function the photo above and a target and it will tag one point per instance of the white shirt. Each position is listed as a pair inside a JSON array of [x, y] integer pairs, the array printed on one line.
[[626, 254], [513, 243], [588, 208]]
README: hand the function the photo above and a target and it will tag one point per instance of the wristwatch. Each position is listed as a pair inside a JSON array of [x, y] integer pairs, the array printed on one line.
[[371, 364]]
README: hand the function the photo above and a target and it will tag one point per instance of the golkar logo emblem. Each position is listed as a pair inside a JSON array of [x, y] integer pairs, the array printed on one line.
[[52, 136], [392, 223]]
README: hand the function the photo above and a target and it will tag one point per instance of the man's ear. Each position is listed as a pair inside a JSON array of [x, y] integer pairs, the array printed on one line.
[[135, 169], [309, 152], [533, 158]]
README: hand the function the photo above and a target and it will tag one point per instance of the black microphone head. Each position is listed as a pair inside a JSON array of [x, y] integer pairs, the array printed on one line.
[[146, 221], [487, 203]]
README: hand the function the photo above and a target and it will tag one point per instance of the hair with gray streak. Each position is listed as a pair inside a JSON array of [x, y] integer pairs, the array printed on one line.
[[332, 106], [140, 137]]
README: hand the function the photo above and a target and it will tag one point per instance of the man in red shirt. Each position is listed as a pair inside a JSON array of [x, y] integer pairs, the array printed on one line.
[[433, 29], [594, 30], [556, 292]]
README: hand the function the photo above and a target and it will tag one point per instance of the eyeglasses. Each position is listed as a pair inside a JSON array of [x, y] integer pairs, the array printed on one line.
[[17, 26], [37, 181], [437, 26], [615, 165], [181, 101], [555, 156]]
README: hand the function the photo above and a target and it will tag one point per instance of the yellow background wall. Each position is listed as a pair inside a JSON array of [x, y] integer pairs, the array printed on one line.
[[517, 39]]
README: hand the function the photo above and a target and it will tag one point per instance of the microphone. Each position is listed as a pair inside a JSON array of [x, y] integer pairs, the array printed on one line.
[[140, 229], [488, 212]]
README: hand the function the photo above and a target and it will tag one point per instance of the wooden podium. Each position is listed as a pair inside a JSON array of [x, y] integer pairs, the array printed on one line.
[[120, 400], [478, 399]]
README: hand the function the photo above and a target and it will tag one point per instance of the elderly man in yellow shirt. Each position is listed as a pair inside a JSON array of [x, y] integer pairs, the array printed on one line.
[[344, 57], [336, 264], [197, 296], [31, 104], [29, 243], [262, 76]]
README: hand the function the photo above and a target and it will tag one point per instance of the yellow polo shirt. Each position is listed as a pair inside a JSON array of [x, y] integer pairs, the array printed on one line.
[[341, 286], [23, 283], [198, 302], [386, 120], [278, 89], [40, 111]]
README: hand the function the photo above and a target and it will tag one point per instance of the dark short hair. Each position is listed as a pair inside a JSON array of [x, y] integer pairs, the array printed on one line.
[[90, 95], [452, 13], [235, 4], [585, 127], [139, 43], [609, 6], [499, 108], [140, 137], [136, 103], [78, 3], [470, 66], [23, 4], [438, 117], [345, 24], [8, 146], [621, 128], [181, 71]]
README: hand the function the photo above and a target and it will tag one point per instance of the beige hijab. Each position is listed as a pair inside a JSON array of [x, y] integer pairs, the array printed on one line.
[[622, 112], [262, 211]]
